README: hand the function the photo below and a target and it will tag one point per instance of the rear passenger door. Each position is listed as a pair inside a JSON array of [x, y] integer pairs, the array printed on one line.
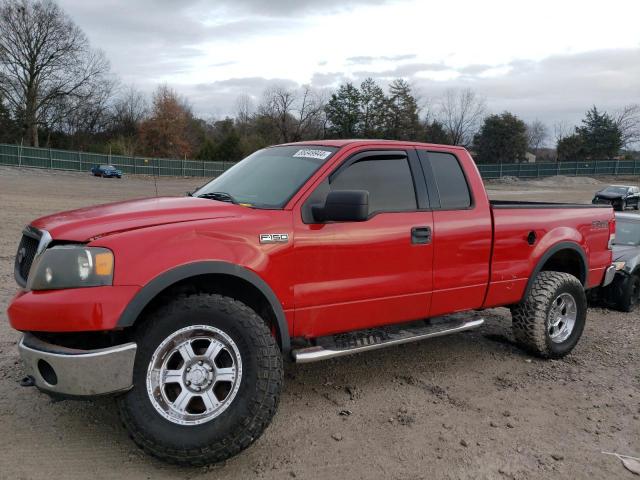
[[462, 234], [353, 275]]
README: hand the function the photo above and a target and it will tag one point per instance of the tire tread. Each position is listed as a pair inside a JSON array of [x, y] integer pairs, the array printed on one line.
[[529, 318]]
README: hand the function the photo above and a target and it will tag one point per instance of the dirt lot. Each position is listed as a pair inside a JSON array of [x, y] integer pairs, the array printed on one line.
[[465, 406]]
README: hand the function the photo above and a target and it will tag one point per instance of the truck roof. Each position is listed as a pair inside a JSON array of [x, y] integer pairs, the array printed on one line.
[[361, 141]]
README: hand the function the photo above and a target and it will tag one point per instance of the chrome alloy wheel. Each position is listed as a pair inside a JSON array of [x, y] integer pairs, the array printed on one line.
[[194, 375], [562, 317]]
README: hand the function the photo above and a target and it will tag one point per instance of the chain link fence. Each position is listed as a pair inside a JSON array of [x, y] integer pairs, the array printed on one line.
[[569, 169], [17, 155]]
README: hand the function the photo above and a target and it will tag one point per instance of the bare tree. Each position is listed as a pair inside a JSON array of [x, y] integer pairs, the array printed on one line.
[[44, 59], [309, 114], [461, 112], [628, 121], [129, 109], [537, 133], [244, 108], [561, 130], [278, 105]]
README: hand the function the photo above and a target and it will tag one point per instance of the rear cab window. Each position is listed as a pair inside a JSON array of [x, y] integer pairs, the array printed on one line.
[[445, 175]]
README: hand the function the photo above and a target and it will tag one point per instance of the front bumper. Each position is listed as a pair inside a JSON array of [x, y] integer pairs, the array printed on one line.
[[78, 373], [609, 275], [70, 310]]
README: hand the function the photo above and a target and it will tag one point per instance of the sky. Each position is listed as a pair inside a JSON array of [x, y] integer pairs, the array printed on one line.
[[549, 60]]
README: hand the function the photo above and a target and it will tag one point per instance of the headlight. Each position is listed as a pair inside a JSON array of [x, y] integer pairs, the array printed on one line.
[[72, 266], [619, 265]]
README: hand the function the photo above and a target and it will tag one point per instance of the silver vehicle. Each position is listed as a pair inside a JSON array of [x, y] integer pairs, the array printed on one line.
[[624, 292]]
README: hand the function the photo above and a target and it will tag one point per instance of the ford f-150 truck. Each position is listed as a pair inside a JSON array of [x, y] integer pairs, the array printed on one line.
[[185, 308]]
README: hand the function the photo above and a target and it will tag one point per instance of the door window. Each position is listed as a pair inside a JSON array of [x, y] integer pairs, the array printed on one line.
[[388, 181]]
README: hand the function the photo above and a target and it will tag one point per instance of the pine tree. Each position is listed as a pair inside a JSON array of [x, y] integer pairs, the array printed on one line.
[[600, 135], [373, 109], [403, 118], [343, 112]]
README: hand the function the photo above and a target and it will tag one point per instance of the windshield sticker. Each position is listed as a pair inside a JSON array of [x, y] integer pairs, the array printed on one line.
[[306, 153]]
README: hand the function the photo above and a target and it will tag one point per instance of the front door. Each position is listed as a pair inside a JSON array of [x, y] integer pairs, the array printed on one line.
[[353, 275]]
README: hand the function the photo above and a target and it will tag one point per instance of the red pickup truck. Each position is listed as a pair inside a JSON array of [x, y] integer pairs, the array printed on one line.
[[186, 307]]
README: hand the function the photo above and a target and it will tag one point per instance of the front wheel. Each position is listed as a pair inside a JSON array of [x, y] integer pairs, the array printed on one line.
[[550, 320], [207, 380], [630, 293]]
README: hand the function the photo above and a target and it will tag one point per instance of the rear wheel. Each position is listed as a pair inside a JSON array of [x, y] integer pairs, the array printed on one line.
[[550, 321], [207, 380]]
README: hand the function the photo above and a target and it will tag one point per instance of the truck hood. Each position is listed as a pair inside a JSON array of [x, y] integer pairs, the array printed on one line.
[[91, 222]]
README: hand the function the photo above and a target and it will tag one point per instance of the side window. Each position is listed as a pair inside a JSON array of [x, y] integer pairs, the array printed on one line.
[[388, 181], [450, 180]]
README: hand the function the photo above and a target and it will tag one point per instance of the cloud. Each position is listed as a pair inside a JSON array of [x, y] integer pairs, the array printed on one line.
[[148, 40], [474, 69], [218, 98], [322, 80], [405, 70], [559, 87], [288, 7], [212, 52], [366, 59]]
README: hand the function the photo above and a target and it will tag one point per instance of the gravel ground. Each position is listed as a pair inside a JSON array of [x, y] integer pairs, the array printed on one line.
[[466, 406]]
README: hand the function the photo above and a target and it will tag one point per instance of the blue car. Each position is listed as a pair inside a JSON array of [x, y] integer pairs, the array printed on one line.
[[107, 171]]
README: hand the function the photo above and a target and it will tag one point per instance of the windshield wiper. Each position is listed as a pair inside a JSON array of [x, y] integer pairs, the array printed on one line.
[[221, 196]]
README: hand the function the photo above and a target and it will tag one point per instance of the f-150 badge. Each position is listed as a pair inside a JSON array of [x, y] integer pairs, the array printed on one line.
[[274, 237]]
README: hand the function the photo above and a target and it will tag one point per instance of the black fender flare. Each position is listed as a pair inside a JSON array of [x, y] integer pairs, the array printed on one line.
[[551, 252], [170, 277]]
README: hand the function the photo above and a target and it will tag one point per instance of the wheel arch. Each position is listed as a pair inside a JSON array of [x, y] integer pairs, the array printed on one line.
[[253, 287], [567, 257]]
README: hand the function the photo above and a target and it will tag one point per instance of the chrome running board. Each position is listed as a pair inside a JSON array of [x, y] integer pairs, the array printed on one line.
[[375, 338]]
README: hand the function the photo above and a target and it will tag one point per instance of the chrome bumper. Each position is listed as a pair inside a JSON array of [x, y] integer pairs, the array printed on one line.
[[68, 371], [609, 274]]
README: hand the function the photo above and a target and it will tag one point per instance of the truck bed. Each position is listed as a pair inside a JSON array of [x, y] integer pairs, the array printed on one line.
[[525, 233]]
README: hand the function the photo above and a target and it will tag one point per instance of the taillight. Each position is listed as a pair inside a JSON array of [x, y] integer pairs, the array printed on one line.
[[612, 232]]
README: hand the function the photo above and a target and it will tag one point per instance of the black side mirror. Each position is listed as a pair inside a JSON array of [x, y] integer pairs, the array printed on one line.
[[343, 206]]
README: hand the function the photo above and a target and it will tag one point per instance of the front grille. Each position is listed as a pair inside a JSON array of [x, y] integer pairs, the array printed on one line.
[[24, 257]]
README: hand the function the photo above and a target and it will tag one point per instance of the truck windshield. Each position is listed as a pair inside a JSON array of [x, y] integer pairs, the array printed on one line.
[[627, 233], [268, 178]]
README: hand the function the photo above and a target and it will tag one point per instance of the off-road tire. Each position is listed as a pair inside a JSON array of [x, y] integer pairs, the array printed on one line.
[[249, 412], [530, 317]]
